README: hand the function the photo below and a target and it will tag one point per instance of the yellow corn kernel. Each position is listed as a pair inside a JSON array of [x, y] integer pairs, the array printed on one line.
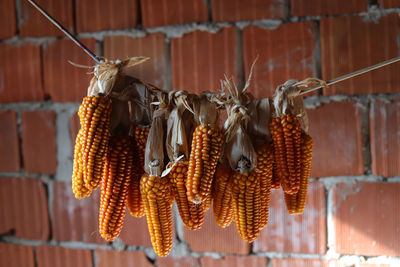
[[278, 138], [223, 202], [78, 185], [156, 195], [264, 170], [192, 214], [295, 203], [135, 203], [117, 175], [206, 149]]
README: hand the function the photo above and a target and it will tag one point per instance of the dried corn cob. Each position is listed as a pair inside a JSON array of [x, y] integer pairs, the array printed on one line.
[[94, 114], [279, 149], [78, 185], [156, 195], [246, 197], [135, 203], [207, 202], [222, 205], [192, 214], [117, 174], [275, 182], [295, 203], [265, 170], [206, 149], [292, 132]]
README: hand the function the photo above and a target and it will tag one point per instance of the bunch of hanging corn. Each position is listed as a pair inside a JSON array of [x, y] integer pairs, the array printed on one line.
[[91, 144]]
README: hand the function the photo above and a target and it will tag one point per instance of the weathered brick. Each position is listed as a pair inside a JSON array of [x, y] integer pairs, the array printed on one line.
[[326, 7], [336, 131], [135, 232], [284, 53], [153, 71], [20, 73], [233, 261], [170, 261], [100, 15], [200, 60], [23, 205], [63, 81], [295, 233], [366, 218], [34, 24], [165, 12], [75, 219], [39, 141], [236, 10], [7, 19], [106, 258], [385, 137], [16, 256], [389, 3], [293, 262], [9, 144], [49, 256], [349, 44], [213, 238]]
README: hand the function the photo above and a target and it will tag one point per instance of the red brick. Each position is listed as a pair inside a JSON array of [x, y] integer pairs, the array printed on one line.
[[7, 19], [63, 81], [233, 261], [154, 70], [349, 44], [293, 262], [213, 238], [39, 141], [228, 10], [9, 144], [135, 232], [372, 265], [23, 205], [200, 60], [326, 7], [389, 3], [20, 73], [336, 131], [165, 12], [385, 137], [106, 258], [100, 15], [295, 233], [74, 126], [34, 24], [177, 262], [284, 53], [63, 257], [75, 219], [16, 256], [366, 218]]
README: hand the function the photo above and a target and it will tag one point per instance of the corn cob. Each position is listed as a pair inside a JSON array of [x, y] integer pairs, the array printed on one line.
[[278, 138], [292, 132], [246, 197], [275, 182], [78, 185], [222, 205], [192, 214], [94, 114], [117, 174], [295, 203], [135, 203], [156, 195], [207, 202], [265, 170], [206, 149]]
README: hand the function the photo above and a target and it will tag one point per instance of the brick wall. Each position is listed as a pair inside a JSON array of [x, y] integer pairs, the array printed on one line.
[[352, 217]]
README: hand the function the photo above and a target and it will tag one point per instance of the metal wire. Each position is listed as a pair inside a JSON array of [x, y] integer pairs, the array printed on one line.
[[351, 75], [65, 31]]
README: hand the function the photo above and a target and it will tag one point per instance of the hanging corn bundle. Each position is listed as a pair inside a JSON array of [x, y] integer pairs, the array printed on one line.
[[292, 145], [156, 191], [141, 121], [206, 149], [192, 214]]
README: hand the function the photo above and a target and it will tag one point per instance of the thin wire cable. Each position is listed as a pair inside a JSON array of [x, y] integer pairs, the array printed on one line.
[[351, 75], [65, 31]]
